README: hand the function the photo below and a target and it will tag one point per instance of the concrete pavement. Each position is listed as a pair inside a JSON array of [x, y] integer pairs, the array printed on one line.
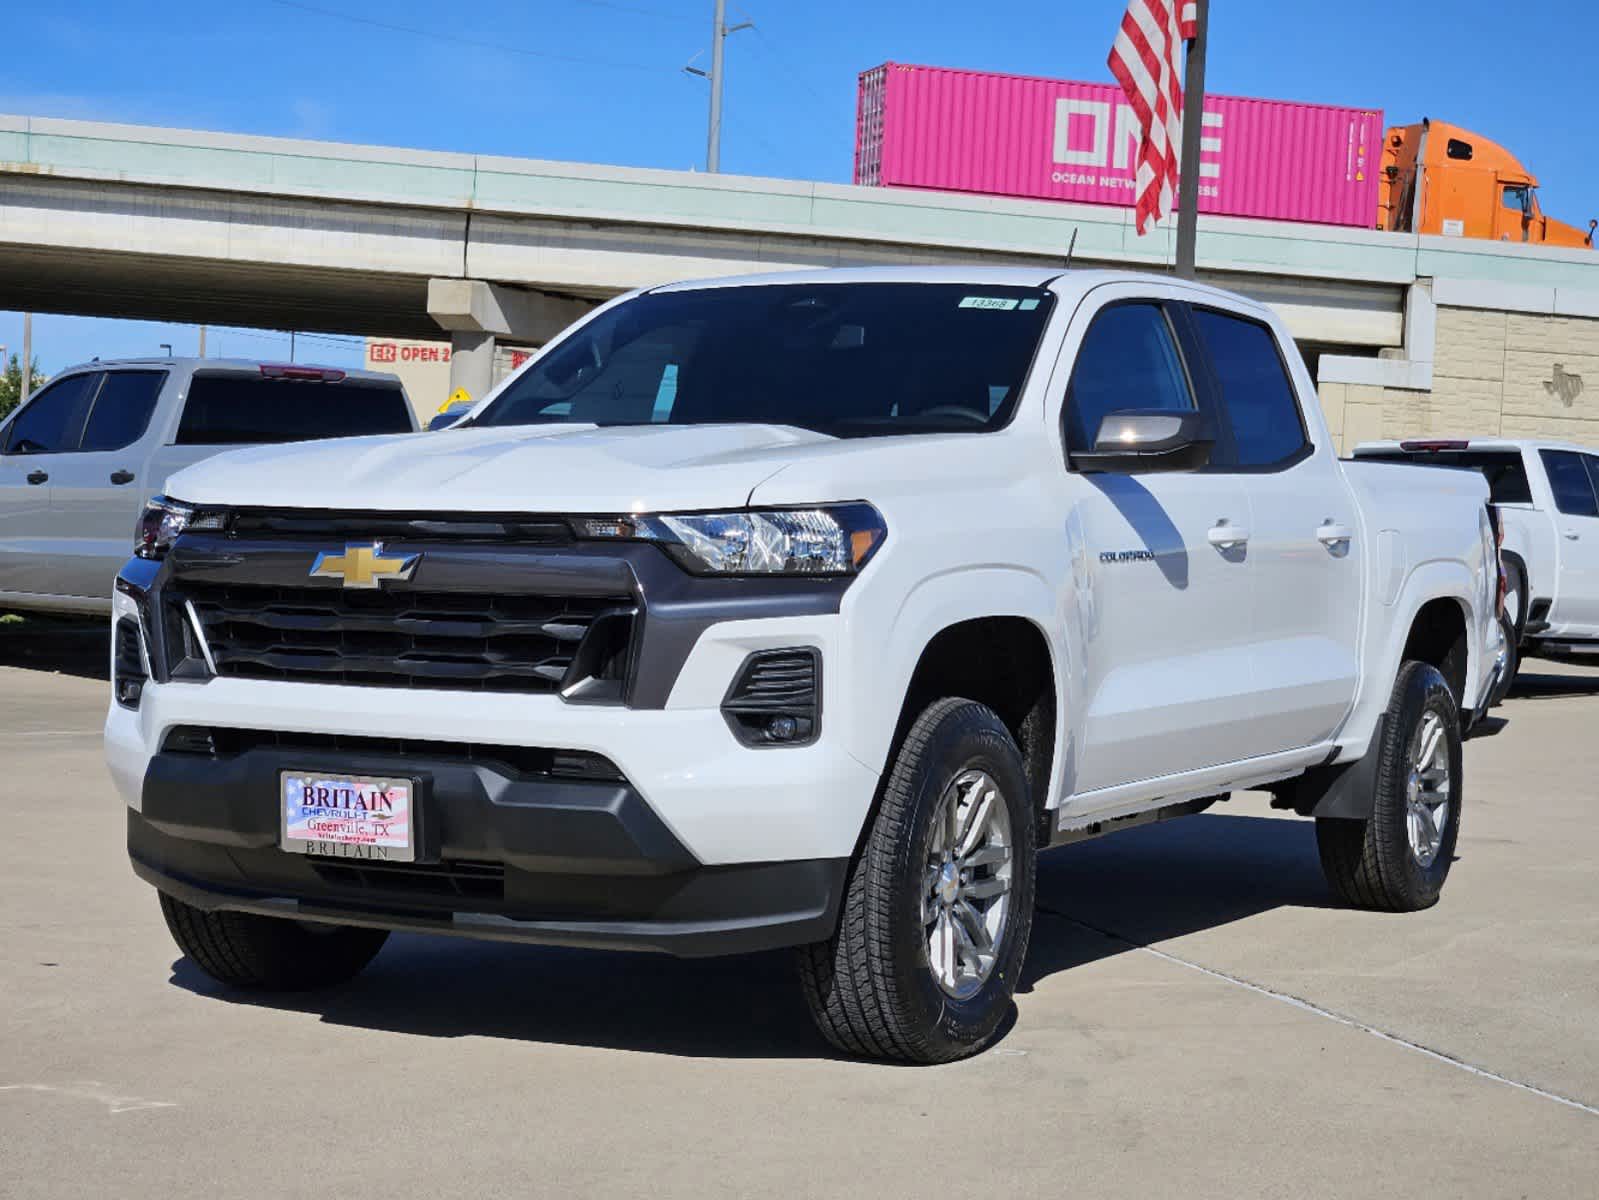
[[1197, 1019]]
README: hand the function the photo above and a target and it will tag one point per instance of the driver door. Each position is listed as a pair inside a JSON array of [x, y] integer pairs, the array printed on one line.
[[1163, 599], [48, 426]]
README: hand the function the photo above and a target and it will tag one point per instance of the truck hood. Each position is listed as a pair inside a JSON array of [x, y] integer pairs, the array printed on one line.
[[550, 468]]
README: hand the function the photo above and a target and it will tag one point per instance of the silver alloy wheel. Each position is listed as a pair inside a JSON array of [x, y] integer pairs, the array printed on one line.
[[966, 886], [1427, 791]]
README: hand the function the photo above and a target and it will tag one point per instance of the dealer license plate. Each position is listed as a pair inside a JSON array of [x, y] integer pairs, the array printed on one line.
[[349, 816]]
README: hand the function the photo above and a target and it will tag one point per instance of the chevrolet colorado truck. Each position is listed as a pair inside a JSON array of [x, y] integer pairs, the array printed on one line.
[[800, 610]]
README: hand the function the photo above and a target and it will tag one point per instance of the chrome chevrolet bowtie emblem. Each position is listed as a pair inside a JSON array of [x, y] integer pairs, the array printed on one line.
[[365, 566]]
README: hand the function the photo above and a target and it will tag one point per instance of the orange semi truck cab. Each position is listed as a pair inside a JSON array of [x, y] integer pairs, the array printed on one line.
[[1439, 178]]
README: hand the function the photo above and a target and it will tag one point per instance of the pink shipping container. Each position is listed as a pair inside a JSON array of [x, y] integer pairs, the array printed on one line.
[[1013, 135]]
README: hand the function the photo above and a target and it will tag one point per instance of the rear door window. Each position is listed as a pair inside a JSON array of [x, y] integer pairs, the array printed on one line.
[[1128, 359], [52, 422], [1256, 393], [239, 410], [1568, 479], [122, 409]]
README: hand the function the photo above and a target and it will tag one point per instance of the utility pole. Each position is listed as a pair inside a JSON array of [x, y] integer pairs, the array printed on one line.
[[27, 356], [202, 341], [719, 31], [1193, 130], [291, 345]]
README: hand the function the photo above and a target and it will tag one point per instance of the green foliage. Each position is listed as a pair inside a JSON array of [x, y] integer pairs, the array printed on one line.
[[11, 384]]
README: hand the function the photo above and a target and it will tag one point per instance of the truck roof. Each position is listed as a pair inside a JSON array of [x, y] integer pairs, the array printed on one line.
[[1063, 280], [1450, 442], [221, 365]]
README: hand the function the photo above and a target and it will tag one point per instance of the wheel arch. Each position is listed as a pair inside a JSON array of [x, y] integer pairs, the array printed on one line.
[[983, 634]]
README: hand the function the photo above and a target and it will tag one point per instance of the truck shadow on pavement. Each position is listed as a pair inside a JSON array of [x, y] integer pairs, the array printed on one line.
[[1531, 685], [1144, 885], [59, 645]]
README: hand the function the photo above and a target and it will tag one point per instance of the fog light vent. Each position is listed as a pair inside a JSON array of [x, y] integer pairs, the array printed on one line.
[[127, 663], [777, 698]]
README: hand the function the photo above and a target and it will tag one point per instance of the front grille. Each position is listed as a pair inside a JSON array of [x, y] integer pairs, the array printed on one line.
[[514, 761], [468, 879], [302, 523], [460, 641]]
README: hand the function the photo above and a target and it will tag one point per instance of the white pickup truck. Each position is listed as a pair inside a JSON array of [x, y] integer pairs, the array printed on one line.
[[1545, 496], [800, 611], [81, 458]]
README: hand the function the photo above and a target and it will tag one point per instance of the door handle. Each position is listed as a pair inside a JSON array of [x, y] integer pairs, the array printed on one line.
[[1571, 534], [1224, 535], [121, 477], [1330, 533], [38, 477]]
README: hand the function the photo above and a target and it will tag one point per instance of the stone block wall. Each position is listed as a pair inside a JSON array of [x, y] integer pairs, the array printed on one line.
[[1506, 374]]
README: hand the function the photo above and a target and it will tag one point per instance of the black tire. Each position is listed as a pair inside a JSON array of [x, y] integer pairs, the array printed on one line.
[[1512, 664], [870, 987], [1369, 863], [268, 953]]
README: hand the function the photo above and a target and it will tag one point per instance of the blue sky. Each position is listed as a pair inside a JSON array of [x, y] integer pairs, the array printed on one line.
[[601, 81]]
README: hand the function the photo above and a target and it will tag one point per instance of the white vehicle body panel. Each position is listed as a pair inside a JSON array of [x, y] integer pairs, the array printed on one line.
[[1557, 551], [62, 541], [1186, 673]]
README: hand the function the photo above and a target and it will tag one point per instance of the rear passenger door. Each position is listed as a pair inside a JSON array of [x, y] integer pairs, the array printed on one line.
[[95, 494], [1305, 623], [1162, 585], [1575, 611], [35, 443]]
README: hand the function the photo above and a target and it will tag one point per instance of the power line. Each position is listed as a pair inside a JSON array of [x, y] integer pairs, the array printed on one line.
[[769, 48], [475, 43]]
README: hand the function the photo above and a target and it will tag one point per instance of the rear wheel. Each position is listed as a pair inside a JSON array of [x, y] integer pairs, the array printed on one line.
[[1398, 858], [939, 903], [268, 953], [1512, 663]]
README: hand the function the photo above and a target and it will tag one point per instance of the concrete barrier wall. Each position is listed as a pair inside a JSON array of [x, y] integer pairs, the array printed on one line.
[[1495, 372]]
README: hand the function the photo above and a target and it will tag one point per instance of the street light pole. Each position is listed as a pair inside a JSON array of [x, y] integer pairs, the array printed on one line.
[[719, 31], [27, 356]]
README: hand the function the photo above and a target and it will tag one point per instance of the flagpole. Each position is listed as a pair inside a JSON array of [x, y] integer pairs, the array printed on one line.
[[1193, 130]]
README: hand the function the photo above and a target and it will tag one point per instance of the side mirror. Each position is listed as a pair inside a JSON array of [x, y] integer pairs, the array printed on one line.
[[1143, 439]]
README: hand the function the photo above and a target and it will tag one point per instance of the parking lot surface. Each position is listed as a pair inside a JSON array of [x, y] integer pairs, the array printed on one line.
[[1197, 1019]]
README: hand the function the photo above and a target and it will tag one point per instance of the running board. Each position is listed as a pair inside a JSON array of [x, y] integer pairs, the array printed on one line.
[[1094, 829]]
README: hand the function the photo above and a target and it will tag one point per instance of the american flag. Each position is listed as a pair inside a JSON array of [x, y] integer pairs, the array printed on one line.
[[1144, 61]]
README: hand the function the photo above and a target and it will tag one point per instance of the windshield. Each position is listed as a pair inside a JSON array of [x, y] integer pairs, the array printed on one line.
[[846, 359]]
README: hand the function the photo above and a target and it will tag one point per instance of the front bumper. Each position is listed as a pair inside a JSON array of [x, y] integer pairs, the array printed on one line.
[[502, 854]]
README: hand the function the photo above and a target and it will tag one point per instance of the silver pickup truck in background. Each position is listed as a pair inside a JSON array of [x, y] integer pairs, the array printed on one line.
[[79, 460]]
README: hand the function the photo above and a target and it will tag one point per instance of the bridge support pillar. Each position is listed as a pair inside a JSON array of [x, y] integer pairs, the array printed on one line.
[[478, 313], [471, 363]]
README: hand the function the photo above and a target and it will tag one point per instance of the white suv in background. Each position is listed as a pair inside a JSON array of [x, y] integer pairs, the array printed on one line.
[[79, 460], [1545, 495]]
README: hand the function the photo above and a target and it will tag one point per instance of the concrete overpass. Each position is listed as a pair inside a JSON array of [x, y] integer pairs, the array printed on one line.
[[183, 225]]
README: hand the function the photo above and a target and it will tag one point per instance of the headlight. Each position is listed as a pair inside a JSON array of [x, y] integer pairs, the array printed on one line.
[[164, 520], [834, 540]]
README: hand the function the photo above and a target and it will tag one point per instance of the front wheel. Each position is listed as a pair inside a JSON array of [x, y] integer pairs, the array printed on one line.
[[938, 907], [1397, 859], [269, 953]]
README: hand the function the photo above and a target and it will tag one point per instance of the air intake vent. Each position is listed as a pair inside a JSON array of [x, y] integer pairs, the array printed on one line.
[[127, 666], [777, 698]]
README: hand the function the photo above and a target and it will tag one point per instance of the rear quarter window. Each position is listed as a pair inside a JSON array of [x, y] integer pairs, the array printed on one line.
[[241, 410]]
